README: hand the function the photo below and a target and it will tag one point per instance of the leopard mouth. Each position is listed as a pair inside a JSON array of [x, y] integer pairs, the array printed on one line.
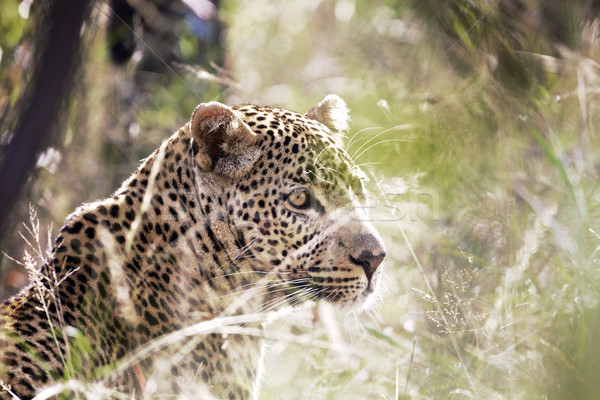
[[352, 287], [315, 292]]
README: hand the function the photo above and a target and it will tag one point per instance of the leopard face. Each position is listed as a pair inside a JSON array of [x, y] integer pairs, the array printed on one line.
[[301, 209]]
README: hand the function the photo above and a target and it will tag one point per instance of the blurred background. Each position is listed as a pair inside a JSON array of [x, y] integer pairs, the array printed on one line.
[[476, 121]]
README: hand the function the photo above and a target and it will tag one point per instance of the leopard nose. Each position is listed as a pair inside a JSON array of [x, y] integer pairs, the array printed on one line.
[[369, 261]]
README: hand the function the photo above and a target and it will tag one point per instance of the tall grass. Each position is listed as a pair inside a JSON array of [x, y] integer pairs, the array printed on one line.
[[484, 187], [496, 298]]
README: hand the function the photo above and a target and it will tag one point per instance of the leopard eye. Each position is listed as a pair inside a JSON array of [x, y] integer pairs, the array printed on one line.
[[299, 199]]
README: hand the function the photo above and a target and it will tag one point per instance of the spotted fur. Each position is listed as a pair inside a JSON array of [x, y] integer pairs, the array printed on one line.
[[245, 209]]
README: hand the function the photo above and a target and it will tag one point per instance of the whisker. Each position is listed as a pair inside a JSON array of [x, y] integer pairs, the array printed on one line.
[[303, 293], [262, 287], [238, 273], [239, 252], [362, 332], [332, 294], [367, 164], [378, 143], [349, 144], [319, 155], [295, 288], [318, 177], [331, 169], [275, 303], [397, 127], [265, 285]]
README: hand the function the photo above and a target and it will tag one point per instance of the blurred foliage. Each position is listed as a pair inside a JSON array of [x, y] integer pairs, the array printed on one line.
[[477, 122], [16, 44], [117, 116], [490, 106]]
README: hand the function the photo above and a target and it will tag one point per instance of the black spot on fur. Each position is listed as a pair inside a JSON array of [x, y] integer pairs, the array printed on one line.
[[75, 228]]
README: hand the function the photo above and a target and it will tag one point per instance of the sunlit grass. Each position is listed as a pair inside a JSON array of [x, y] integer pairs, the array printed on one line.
[[487, 198], [498, 295]]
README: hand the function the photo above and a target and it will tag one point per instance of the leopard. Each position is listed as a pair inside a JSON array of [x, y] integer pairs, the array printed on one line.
[[162, 288]]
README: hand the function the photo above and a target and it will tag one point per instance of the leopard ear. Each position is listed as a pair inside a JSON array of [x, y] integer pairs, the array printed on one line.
[[331, 112], [224, 144]]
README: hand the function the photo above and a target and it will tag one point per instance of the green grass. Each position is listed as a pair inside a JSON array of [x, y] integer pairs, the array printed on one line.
[[485, 189], [499, 295]]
